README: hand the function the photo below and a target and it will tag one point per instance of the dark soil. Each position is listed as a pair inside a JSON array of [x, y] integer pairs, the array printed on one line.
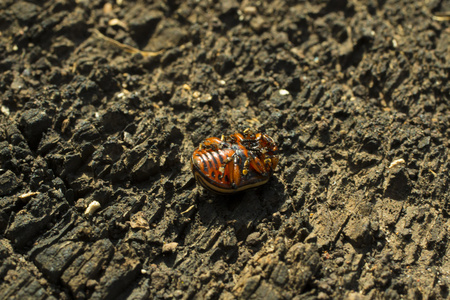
[[356, 94]]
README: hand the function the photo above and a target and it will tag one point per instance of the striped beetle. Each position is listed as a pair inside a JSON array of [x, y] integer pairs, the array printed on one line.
[[234, 163]]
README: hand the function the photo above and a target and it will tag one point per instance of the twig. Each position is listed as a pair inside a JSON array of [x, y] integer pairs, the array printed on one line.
[[442, 16], [127, 48]]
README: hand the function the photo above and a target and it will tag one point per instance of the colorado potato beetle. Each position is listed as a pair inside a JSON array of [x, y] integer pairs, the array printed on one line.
[[234, 163]]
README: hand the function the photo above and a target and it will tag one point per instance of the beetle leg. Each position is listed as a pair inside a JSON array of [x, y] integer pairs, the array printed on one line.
[[246, 164], [225, 168], [236, 170], [207, 147], [258, 165], [268, 164], [249, 132], [221, 172], [274, 162], [222, 144], [232, 167]]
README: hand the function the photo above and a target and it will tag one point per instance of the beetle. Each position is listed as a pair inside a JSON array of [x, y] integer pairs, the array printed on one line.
[[234, 163]]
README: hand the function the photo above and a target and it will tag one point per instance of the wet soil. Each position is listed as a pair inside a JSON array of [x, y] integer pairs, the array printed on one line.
[[355, 93]]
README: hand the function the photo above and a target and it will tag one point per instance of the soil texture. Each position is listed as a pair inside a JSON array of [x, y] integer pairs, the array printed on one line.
[[103, 103]]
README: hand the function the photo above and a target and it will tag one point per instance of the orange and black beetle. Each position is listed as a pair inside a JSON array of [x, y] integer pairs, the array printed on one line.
[[234, 163]]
